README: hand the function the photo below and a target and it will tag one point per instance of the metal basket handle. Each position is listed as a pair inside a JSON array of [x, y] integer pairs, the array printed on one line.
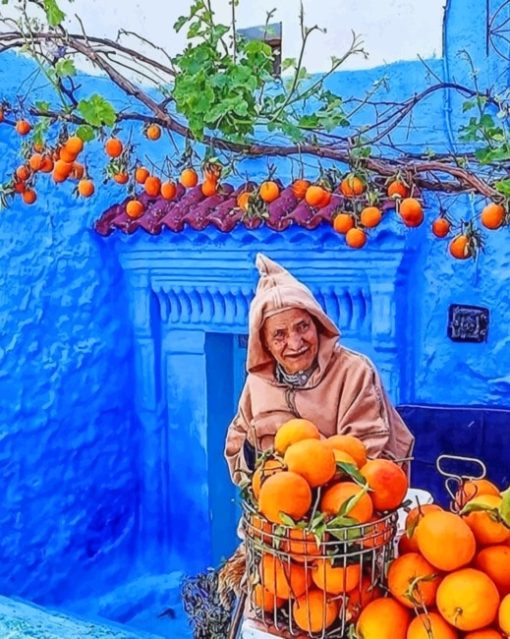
[[453, 481]]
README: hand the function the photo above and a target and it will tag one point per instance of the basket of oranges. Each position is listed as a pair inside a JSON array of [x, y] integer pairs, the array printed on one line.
[[320, 526]]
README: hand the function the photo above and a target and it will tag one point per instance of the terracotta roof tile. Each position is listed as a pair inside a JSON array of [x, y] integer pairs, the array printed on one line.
[[190, 208]]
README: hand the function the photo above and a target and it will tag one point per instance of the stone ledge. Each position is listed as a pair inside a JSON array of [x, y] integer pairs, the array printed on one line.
[[21, 620]]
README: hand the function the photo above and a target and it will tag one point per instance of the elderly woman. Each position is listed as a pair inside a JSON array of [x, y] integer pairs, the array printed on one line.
[[296, 368]]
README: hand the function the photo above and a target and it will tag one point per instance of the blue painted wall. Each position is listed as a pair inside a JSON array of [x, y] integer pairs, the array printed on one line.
[[79, 456], [69, 437]]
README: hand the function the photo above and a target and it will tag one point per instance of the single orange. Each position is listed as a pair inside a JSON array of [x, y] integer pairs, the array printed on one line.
[[294, 431]]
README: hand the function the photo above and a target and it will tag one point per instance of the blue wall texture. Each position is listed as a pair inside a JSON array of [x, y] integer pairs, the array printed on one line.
[[88, 470]]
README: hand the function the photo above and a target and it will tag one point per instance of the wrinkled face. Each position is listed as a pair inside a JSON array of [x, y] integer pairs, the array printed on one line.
[[292, 339]]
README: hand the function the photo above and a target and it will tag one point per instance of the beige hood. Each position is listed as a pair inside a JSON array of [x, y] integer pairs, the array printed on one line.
[[277, 291]]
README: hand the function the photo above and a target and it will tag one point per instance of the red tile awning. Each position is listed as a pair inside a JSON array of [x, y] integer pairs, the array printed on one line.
[[190, 208]]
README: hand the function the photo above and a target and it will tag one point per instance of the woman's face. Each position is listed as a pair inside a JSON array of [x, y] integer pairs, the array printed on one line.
[[292, 339]]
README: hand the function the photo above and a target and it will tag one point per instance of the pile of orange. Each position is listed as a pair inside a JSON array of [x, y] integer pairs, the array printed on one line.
[[453, 571], [306, 477]]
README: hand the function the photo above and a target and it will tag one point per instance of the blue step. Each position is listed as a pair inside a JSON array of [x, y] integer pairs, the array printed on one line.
[[22, 620]]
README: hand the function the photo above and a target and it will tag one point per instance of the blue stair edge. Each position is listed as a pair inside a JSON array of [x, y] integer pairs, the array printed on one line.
[[23, 620]]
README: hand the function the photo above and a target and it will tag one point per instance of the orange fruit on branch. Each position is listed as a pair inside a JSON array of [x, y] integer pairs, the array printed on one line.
[[460, 247], [468, 599], [141, 174], [121, 178], [47, 164], [493, 216], [311, 459], [283, 578], [63, 168], [284, 492], [317, 196], [86, 187], [78, 171], [113, 147], [294, 431], [356, 238], [335, 579], [30, 196], [383, 618], [134, 209], [413, 581], [168, 190], [36, 162], [315, 611], [441, 227], [243, 200], [299, 188], [22, 173], [397, 189], [209, 188], [74, 145], [188, 178], [445, 540], [153, 132], [430, 626], [370, 216], [352, 186], [66, 156], [269, 191], [411, 212], [343, 222], [23, 127], [152, 186], [387, 482]]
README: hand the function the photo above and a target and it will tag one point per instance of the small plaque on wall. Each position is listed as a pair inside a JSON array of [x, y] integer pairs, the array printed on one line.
[[468, 323]]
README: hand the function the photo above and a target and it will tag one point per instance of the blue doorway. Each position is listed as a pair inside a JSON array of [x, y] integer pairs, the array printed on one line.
[[225, 367]]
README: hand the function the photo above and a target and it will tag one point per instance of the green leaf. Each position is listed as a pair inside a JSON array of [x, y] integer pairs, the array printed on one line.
[[178, 25], [97, 111], [310, 121], [65, 68], [54, 13], [42, 106], [504, 508], [353, 472], [474, 506], [503, 186], [289, 63], [468, 105], [285, 519], [86, 133]]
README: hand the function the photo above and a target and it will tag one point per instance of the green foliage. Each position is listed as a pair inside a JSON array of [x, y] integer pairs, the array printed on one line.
[[226, 85], [97, 111], [212, 89], [54, 13], [487, 129]]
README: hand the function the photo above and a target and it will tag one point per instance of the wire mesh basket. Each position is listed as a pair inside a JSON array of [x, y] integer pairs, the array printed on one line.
[[300, 586]]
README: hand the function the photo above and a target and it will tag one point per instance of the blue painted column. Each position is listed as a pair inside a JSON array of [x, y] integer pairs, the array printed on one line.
[[154, 522], [185, 389]]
